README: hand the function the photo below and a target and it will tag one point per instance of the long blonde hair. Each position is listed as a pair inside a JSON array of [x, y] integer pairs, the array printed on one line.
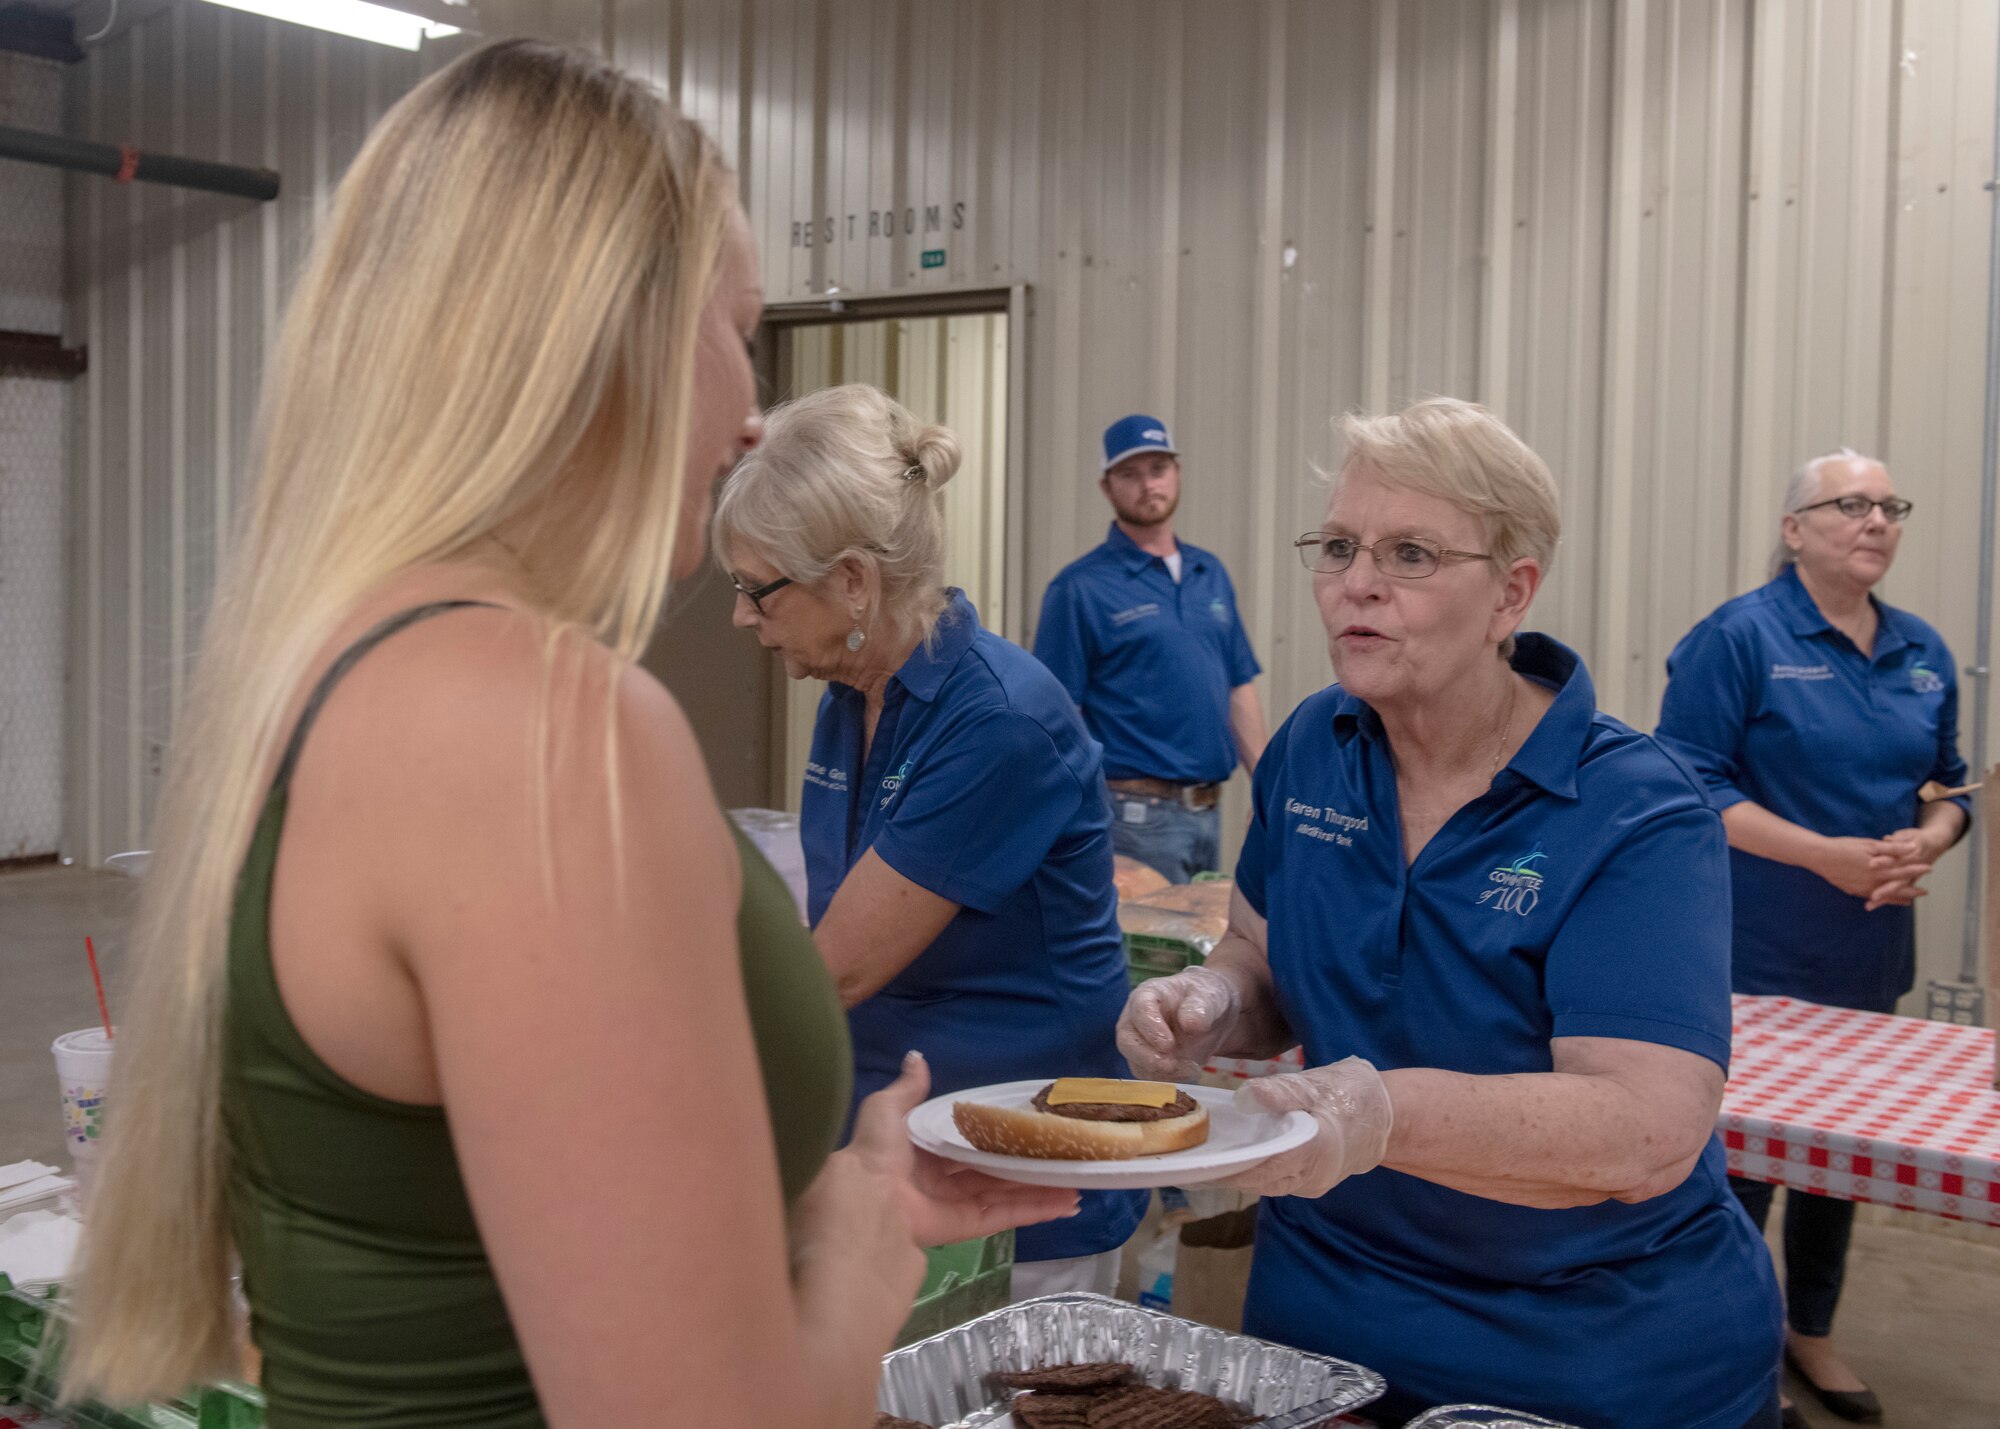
[[505, 300]]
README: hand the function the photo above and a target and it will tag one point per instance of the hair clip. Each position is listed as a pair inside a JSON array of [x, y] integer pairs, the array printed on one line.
[[913, 473]]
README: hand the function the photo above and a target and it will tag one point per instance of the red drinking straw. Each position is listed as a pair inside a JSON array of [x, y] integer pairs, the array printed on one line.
[[103, 1008]]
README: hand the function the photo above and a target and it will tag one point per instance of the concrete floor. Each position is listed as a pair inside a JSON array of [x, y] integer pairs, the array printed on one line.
[[1920, 1320]]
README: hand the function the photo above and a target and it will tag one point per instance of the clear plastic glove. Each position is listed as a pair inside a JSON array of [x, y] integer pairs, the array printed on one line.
[[1171, 1026], [1351, 1105]]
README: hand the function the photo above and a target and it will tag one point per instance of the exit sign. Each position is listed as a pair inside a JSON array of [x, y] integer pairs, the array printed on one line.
[[934, 258]]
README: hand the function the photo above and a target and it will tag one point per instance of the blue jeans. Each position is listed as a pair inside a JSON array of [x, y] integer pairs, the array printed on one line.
[[1816, 1234], [1180, 842]]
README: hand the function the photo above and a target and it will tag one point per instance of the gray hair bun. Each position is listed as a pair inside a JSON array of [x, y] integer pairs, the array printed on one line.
[[934, 457]]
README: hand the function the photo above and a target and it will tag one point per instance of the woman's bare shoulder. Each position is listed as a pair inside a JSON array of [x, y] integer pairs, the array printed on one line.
[[493, 724]]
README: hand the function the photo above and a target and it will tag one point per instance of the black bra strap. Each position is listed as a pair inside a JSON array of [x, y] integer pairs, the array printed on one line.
[[349, 658]]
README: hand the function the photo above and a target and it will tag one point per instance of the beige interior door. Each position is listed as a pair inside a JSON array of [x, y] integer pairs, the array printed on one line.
[[951, 370]]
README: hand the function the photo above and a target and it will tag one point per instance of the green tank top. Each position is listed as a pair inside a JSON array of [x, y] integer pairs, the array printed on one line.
[[372, 1299]]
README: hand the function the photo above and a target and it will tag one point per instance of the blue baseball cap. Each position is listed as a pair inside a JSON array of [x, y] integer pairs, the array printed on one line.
[[1137, 433]]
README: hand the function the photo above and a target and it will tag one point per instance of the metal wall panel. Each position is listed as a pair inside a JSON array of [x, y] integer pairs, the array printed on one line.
[[1681, 244], [176, 294], [33, 429]]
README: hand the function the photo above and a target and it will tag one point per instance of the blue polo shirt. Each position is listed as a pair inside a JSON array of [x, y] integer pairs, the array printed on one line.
[[1149, 660], [983, 787], [1582, 896], [1770, 703]]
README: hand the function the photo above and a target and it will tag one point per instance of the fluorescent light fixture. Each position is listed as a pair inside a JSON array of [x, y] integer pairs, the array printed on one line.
[[357, 18]]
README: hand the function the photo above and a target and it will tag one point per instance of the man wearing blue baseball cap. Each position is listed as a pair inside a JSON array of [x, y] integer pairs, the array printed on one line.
[[1144, 633]]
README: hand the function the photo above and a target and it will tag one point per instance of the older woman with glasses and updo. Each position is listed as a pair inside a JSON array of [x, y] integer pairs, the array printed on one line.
[[1817, 715], [1485, 910], [957, 839]]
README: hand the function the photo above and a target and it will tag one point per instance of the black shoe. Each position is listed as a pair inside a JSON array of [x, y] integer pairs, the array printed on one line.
[[1857, 1406], [1790, 1418]]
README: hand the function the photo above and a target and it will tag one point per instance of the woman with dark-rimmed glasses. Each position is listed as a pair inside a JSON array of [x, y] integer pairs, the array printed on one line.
[[1484, 909], [1815, 713], [957, 841]]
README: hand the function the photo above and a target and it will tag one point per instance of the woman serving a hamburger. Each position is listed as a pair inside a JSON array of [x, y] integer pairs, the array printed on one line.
[[1487, 912]]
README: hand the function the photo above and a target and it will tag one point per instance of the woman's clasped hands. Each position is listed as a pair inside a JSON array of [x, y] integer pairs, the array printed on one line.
[[1885, 871]]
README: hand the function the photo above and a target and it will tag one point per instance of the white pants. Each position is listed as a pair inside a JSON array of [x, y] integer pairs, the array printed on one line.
[[1094, 1274]]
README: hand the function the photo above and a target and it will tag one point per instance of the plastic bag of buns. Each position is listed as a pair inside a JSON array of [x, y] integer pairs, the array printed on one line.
[[1134, 879], [1193, 914], [1206, 903]]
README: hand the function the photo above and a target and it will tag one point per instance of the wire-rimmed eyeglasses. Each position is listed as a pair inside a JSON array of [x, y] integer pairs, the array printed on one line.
[[1856, 507], [756, 596], [1408, 558]]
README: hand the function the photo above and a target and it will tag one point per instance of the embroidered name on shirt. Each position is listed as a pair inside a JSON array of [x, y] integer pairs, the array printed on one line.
[[1802, 672], [831, 779], [1137, 612], [1326, 825], [1515, 887]]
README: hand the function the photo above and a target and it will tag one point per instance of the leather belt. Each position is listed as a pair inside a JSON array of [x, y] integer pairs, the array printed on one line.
[[1189, 796]]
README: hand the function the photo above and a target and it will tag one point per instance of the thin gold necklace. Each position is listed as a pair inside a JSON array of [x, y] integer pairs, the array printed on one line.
[[1507, 729]]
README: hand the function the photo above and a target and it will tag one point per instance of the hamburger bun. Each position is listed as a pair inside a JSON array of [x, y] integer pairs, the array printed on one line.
[[1081, 1132]]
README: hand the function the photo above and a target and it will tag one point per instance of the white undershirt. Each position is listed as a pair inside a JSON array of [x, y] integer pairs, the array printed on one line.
[[1174, 564]]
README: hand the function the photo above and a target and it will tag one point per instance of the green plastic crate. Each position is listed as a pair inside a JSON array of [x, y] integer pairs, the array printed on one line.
[[963, 1282], [1151, 955], [1148, 955], [29, 1319]]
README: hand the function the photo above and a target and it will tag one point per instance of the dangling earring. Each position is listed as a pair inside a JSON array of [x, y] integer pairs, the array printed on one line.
[[856, 638]]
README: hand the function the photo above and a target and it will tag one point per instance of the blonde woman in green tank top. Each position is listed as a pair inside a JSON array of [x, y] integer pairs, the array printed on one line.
[[462, 1024]]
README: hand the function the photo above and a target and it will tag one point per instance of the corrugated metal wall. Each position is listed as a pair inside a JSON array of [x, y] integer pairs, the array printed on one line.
[[176, 293], [33, 426], [1680, 243]]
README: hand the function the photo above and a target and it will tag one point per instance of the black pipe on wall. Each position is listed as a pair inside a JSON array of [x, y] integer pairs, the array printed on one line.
[[128, 164]]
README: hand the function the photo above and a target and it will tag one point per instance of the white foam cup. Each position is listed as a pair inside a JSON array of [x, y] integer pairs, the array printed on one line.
[[83, 1068]]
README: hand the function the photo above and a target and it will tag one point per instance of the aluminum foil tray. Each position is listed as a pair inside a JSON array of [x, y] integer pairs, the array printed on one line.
[[1481, 1416], [942, 1381]]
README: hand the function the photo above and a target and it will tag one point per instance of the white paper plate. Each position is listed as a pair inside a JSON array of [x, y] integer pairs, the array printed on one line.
[[1236, 1141]]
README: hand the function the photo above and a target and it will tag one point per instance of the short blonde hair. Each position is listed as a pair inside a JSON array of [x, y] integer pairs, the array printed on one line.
[[847, 473], [1461, 452]]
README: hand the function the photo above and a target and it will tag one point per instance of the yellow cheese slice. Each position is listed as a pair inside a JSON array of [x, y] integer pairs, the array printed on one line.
[[1107, 1091]]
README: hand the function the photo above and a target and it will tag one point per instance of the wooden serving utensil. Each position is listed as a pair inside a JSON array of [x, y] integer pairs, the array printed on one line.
[[1930, 791]]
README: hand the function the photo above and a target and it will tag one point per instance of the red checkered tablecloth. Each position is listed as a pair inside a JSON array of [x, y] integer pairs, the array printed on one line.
[[1865, 1107], [1858, 1105]]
